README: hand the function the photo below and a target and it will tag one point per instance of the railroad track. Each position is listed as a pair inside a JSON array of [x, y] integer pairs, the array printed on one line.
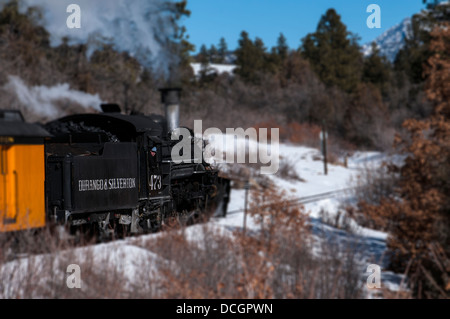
[[291, 202], [303, 199]]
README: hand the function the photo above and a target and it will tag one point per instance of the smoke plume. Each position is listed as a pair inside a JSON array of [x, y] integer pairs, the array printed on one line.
[[44, 100], [143, 28]]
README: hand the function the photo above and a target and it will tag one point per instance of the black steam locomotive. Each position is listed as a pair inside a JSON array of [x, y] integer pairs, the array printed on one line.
[[114, 173]]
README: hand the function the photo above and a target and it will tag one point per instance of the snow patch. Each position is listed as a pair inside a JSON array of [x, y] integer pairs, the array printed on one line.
[[213, 68], [392, 41]]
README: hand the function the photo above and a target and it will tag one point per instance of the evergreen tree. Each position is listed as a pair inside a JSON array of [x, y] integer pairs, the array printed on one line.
[[203, 55], [377, 70], [204, 59], [282, 48], [278, 55], [418, 215], [222, 50], [333, 53], [250, 58], [181, 46], [415, 53], [213, 54], [433, 3], [260, 48]]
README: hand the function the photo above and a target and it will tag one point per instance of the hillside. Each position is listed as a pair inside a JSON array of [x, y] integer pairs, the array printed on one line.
[[391, 41], [135, 264]]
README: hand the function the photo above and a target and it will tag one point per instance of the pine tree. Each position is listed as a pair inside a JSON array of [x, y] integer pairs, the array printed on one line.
[[244, 56], [260, 51], [250, 58], [203, 55], [204, 59], [415, 53], [213, 54], [282, 48], [181, 46], [333, 53], [433, 3], [377, 70], [222, 50], [275, 61], [418, 216]]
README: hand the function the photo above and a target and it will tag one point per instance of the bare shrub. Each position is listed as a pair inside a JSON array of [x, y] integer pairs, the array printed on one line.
[[27, 263], [339, 220], [375, 183], [305, 134], [287, 171], [34, 265], [272, 261], [372, 186]]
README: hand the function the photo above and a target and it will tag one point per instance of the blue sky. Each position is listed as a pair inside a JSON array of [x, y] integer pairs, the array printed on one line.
[[212, 19]]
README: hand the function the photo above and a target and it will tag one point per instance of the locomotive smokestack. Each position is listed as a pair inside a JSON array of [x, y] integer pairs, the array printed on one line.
[[170, 97]]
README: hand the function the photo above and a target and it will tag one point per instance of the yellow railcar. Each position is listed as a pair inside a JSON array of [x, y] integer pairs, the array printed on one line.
[[22, 173]]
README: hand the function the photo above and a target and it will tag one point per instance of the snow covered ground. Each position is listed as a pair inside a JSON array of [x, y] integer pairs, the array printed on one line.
[[213, 68], [369, 245]]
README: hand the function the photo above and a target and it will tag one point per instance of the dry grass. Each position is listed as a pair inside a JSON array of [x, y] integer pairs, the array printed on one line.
[[35, 265], [273, 260], [372, 186], [287, 171]]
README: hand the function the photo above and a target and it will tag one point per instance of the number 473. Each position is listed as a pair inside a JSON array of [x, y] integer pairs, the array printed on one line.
[[155, 182]]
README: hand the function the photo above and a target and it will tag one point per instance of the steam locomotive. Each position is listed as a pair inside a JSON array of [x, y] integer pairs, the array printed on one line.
[[109, 171]]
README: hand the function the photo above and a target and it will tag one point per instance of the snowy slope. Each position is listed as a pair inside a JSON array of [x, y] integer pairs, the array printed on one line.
[[213, 68], [128, 256], [371, 243], [391, 41]]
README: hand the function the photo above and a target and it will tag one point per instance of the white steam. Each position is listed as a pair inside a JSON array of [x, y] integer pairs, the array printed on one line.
[[43, 99], [140, 27]]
